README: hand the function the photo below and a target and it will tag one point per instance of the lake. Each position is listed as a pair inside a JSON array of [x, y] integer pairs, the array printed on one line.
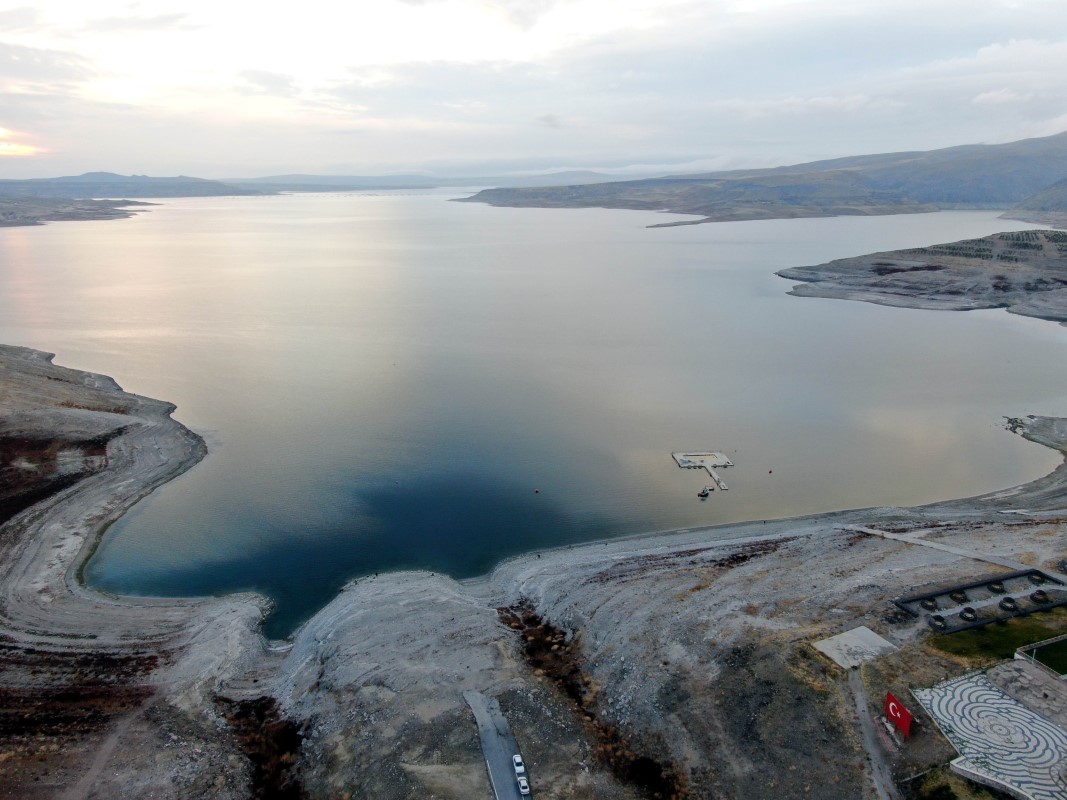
[[396, 381]]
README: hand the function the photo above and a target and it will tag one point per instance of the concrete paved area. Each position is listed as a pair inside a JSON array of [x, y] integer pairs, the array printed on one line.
[[705, 460], [1034, 688], [852, 648], [1001, 742]]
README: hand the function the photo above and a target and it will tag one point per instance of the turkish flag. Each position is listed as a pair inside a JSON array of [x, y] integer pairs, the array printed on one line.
[[897, 714]]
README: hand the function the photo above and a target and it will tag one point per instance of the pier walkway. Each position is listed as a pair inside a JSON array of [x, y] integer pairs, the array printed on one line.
[[706, 460]]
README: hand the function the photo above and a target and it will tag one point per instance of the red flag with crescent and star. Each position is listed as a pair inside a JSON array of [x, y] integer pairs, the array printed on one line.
[[897, 714]]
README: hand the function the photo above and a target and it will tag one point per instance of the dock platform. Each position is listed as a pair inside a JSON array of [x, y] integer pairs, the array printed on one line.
[[706, 460]]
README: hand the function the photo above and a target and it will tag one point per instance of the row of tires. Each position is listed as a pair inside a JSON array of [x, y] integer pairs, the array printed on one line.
[[995, 587], [1040, 597]]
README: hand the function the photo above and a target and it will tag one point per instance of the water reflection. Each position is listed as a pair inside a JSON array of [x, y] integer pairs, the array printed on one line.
[[457, 524], [385, 381]]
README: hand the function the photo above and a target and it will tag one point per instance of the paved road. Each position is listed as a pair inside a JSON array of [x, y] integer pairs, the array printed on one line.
[[498, 745], [915, 537], [880, 769]]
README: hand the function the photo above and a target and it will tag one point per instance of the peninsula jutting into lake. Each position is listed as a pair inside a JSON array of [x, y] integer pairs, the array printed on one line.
[[1025, 176], [1024, 272]]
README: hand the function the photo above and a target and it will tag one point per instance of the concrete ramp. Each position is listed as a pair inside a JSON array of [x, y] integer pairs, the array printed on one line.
[[852, 648]]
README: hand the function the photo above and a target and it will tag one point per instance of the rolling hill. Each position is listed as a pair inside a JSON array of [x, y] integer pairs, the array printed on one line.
[[969, 176]]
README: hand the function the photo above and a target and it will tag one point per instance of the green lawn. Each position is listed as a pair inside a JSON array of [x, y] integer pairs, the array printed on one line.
[[999, 641], [1053, 656]]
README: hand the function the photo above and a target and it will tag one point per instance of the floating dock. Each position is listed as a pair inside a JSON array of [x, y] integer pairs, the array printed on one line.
[[706, 460]]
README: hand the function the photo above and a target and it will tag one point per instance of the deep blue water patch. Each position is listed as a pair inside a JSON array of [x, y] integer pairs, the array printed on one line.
[[457, 525]]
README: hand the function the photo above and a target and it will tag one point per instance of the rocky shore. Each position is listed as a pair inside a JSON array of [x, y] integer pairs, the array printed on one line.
[[17, 211], [670, 665], [93, 689], [1024, 272]]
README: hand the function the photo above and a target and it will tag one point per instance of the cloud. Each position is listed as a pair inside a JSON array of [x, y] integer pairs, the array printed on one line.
[[15, 20], [521, 13], [130, 24], [1027, 75], [10, 147], [373, 76], [30, 64], [817, 104], [1000, 97], [650, 96], [1016, 70], [444, 89], [1046, 127], [272, 83], [730, 82]]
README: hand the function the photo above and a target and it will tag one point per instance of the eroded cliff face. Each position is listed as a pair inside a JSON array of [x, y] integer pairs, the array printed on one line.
[[55, 426], [35, 467]]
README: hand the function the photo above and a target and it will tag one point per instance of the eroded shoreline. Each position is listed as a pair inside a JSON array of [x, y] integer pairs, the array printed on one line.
[[23, 211], [75, 664], [693, 649], [1023, 272]]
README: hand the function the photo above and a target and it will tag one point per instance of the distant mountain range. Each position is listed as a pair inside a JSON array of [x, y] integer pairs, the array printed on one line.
[[971, 176], [1029, 177], [110, 185], [334, 183], [998, 175]]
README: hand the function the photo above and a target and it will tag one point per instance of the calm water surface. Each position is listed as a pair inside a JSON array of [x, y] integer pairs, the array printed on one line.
[[384, 381]]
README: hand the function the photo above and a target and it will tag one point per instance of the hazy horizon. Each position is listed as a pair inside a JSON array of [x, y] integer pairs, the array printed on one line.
[[490, 87], [630, 172]]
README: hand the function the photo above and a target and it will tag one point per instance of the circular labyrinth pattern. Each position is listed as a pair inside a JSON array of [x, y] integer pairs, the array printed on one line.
[[1000, 737], [1006, 732]]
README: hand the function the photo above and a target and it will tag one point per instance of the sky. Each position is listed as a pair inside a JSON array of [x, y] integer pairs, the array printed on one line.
[[230, 88]]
